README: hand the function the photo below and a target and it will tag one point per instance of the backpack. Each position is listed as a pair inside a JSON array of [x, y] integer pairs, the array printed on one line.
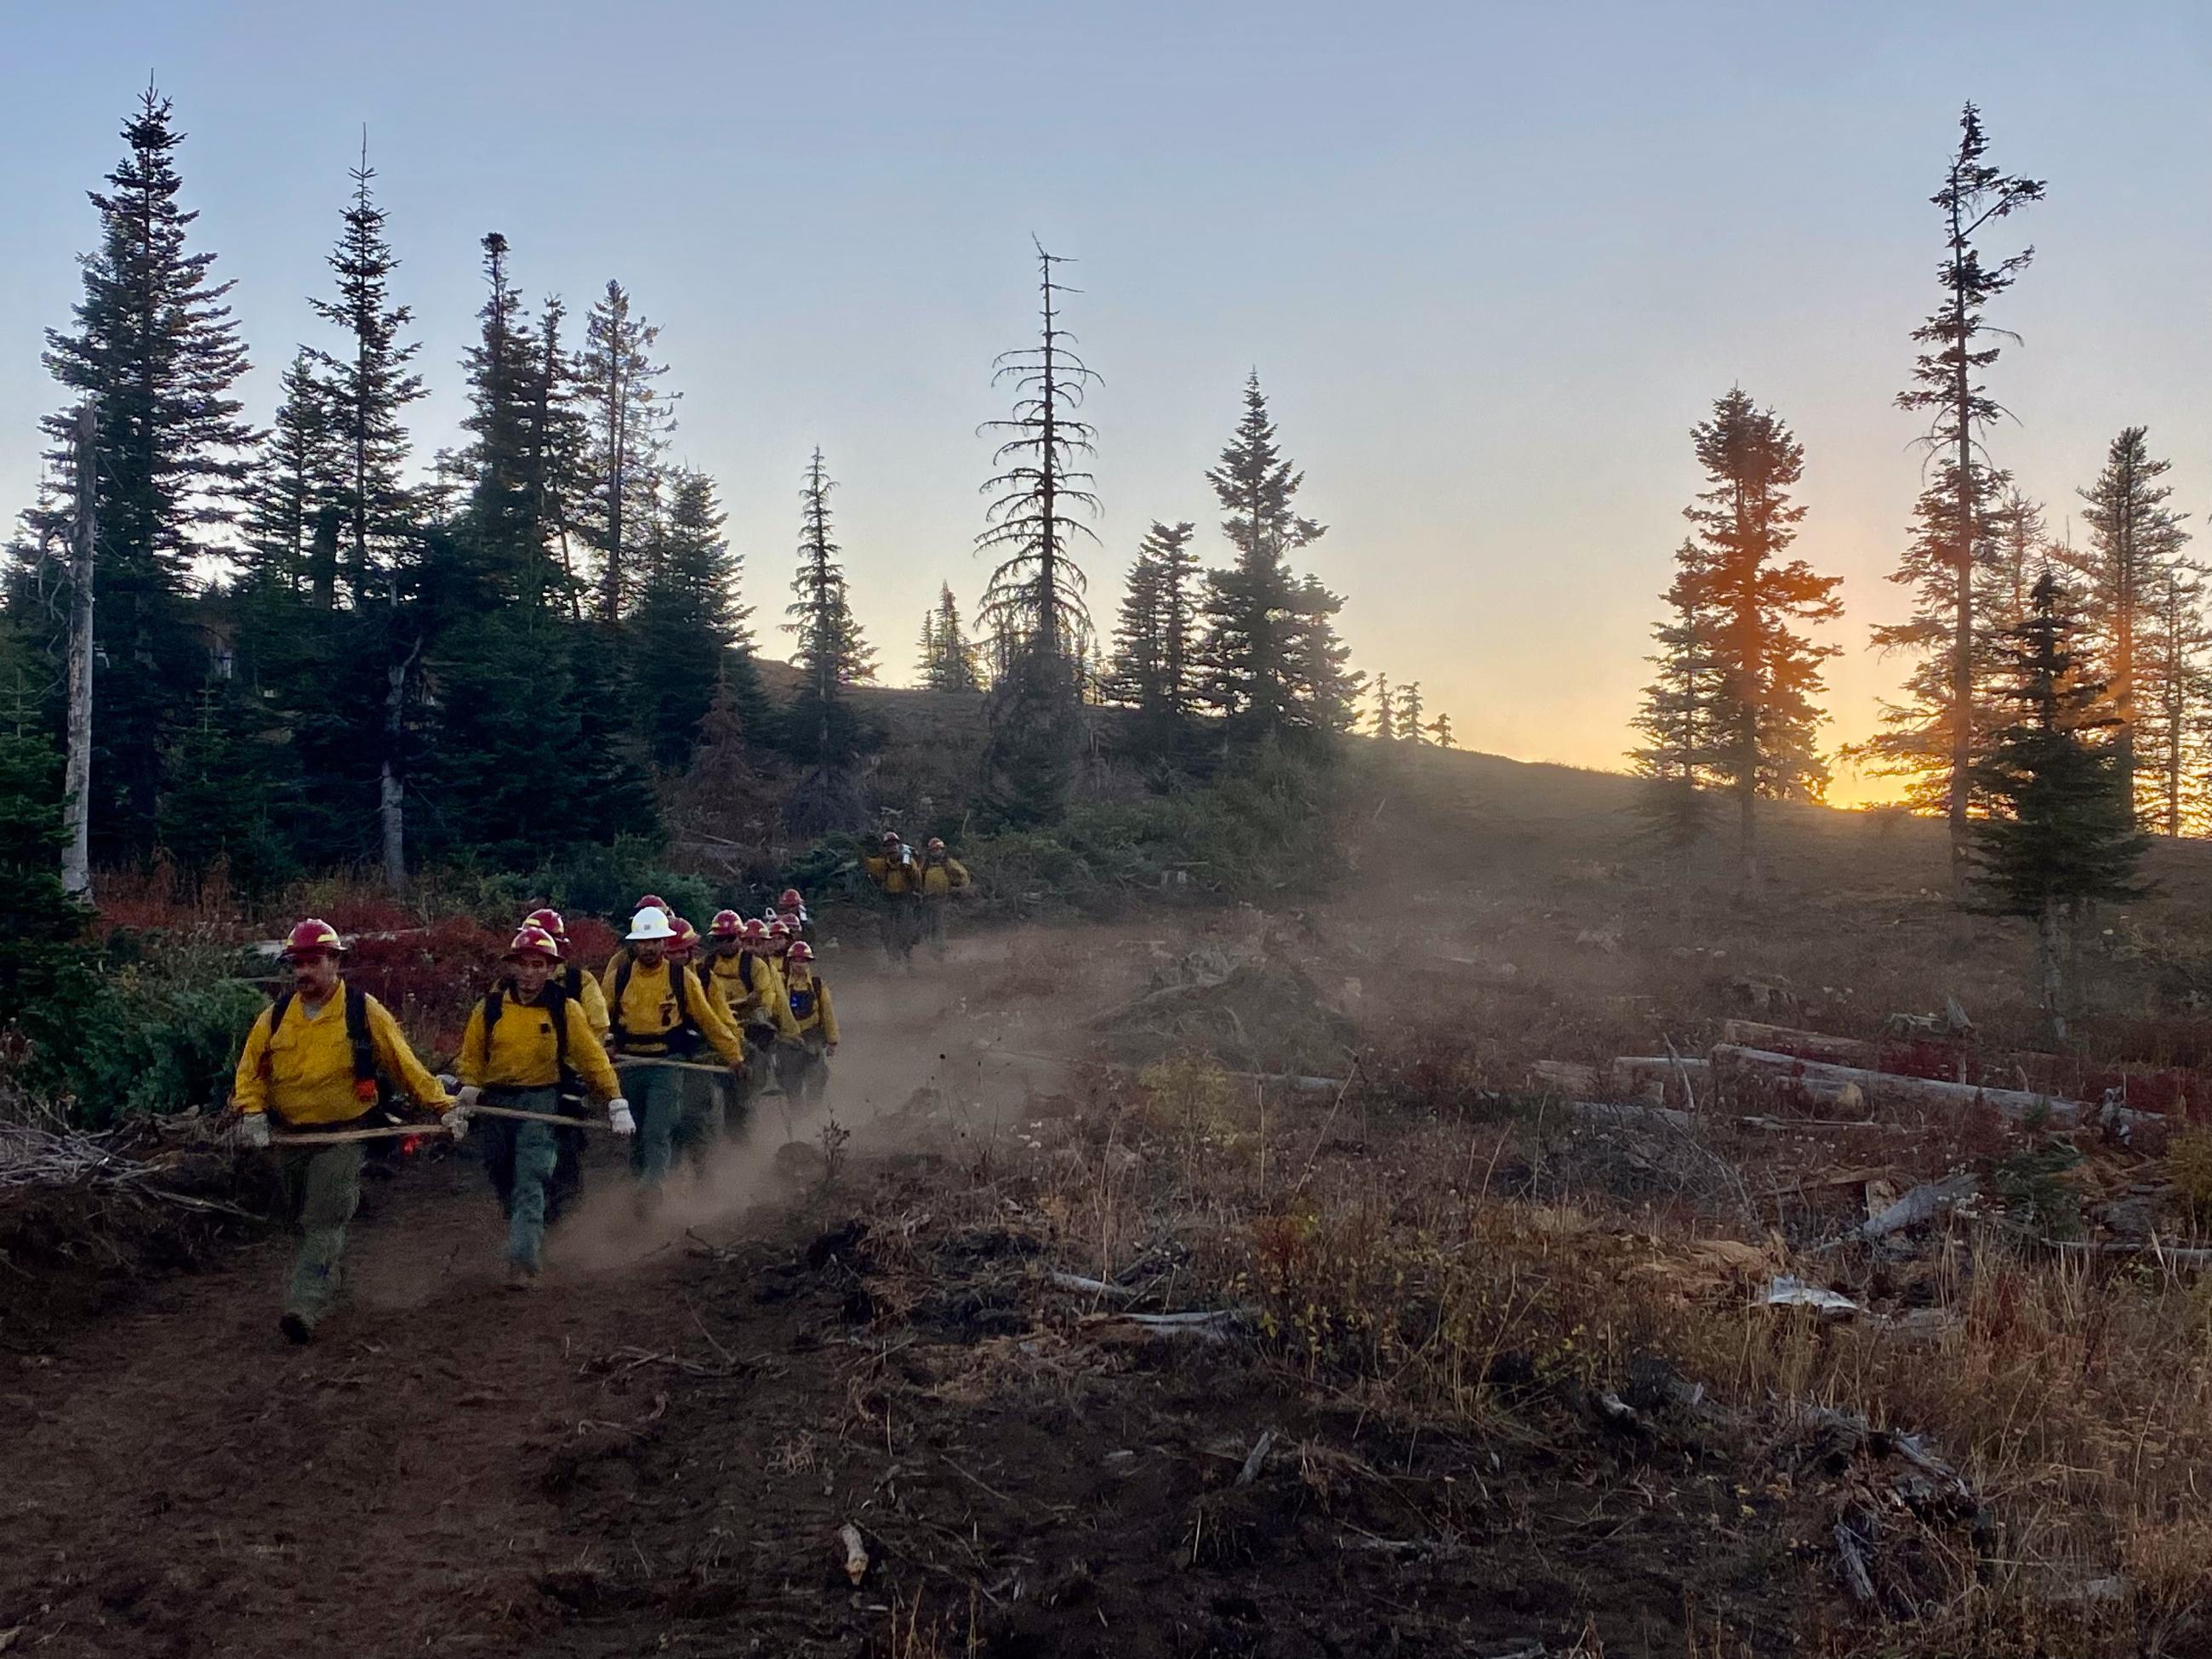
[[556, 1008], [803, 999], [365, 1068], [683, 1038]]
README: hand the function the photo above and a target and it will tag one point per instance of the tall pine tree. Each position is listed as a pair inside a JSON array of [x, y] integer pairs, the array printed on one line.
[[2060, 834], [2133, 537], [1410, 729], [1766, 711], [948, 660], [155, 350], [1679, 718], [294, 475], [1934, 734], [627, 422], [2173, 661], [686, 622], [366, 388], [831, 655]]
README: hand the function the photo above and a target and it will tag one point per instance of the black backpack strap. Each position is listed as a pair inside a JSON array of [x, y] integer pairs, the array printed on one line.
[[494, 1001], [276, 1012], [615, 1002], [556, 1004], [358, 1035]]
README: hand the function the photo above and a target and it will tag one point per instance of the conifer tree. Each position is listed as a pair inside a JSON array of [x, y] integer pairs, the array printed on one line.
[[1441, 729], [1153, 669], [366, 386], [1036, 588], [686, 620], [628, 420], [153, 349], [831, 655], [948, 657], [1766, 711], [2018, 550], [2173, 733], [293, 476], [1932, 736], [1386, 710], [500, 522], [1680, 713], [2133, 537], [554, 456], [1411, 728], [1273, 662], [2060, 834]]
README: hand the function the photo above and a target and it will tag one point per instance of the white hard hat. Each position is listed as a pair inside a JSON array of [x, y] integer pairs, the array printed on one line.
[[651, 923]]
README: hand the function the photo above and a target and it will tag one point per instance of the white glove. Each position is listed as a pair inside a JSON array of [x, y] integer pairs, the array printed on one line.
[[253, 1130], [469, 1094], [455, 1122], [619, 1117]]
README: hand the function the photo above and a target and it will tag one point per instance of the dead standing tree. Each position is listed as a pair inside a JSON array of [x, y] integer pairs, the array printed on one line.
[[77, 796], [1036, 592]]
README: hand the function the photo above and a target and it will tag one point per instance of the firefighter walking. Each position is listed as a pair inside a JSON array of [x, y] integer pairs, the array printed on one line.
[[526, 1040], [802, 1066], [313, 1063], [581, 987], [944, 878], [740, 971], [662, 1015], [897, 876]]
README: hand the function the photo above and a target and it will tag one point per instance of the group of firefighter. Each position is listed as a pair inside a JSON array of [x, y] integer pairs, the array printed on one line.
[[544, 1044]]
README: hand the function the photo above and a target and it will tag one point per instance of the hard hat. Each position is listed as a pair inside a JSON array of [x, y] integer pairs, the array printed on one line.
[[801, 951], [685, 932], [756, 931], [890, 837], [790, 900], [726, 924], [937, 843], [533, 940], [651, 922], [655, 902], [780, 928], [549, 920], [312, 934]]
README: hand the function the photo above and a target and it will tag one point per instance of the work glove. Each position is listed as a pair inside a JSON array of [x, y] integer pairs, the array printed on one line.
[[253, 1130], [455, 1122], [619, 1117], [828, 1049], [468, 1095], [448, 1082]]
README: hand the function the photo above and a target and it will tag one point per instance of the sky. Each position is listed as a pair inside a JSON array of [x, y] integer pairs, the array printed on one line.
[[1491, 263]]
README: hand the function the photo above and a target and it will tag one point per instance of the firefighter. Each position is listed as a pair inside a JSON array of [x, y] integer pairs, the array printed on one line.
[[685, 945], [528, 1042], [790, 907], [802, 1066], [897, 876], [581, 989], [316, 1062], [943, 878], [646, 902], [739, 972], [661, 1013]]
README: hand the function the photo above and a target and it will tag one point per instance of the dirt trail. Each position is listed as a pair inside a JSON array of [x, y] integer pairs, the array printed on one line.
[[175, 1480]]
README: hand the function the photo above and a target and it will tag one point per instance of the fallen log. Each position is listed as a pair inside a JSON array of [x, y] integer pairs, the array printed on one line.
[[1618, 1113], [1923, 1203], [1637, 1075], [1732, 1059], [1804, 1045]]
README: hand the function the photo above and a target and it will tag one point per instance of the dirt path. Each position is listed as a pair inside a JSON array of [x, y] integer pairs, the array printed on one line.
[[175, 1480]]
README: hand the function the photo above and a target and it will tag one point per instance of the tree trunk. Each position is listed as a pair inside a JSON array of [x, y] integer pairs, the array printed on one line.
[[77, 806], [1962, 640], [2050, 962], [391, 790]]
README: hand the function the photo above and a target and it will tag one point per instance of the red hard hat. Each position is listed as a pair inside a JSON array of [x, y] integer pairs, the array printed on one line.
[[726, 924], [312, 934], [891, 836], [936, 844], [781, 928], [756, 931], [790, 900], [549, 920], [655, 902], [801, 951], [533, 940]]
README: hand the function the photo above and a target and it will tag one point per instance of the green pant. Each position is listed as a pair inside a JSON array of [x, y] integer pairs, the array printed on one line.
[[322, 1189], [672, 1116], [519, 1158]]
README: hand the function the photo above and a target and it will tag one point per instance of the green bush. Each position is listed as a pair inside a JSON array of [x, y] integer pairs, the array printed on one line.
[[605, 881], [156, 1030]]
